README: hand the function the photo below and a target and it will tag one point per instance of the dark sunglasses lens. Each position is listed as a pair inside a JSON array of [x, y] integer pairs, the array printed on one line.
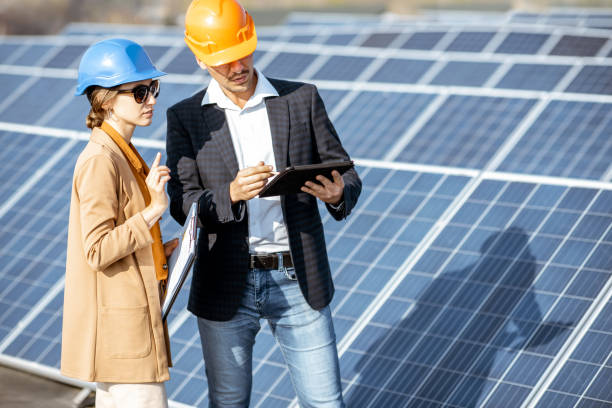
[[140, 93]]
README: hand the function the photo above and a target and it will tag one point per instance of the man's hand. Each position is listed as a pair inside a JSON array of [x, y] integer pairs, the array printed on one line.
[[170, 246], [249, 182], [329, 192]]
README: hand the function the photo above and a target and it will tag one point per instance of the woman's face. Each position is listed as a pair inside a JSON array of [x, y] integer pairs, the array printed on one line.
[[125, 108]]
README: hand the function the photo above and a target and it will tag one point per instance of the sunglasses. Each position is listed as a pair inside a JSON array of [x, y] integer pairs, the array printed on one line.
[[141, 92]]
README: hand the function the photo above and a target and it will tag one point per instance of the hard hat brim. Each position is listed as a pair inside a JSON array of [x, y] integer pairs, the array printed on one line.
[[115, 80], [227, 55]]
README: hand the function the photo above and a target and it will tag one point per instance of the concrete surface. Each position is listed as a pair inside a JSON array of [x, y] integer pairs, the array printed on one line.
[[22, 390]]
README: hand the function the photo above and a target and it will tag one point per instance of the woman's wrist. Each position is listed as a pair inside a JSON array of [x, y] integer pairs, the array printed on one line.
[[152, 214]]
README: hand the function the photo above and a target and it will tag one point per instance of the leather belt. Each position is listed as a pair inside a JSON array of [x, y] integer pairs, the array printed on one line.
[[270, 261]]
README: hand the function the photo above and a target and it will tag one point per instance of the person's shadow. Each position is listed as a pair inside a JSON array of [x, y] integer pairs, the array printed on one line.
[[467, 323]]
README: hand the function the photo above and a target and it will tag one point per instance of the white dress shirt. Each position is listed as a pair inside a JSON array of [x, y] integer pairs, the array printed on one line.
[[250, 131]]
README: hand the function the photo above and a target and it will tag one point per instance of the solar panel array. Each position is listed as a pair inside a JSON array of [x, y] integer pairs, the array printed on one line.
[[475, 270]]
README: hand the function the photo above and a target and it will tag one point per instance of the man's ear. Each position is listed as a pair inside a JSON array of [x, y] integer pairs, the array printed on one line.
[[201, 64]]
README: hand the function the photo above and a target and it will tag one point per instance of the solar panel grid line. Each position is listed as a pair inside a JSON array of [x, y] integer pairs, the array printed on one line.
[[415, 127], [608, 174], [330, 244], [592, 381], [541, 179], [382, 252], [433, 71], [60, 133], [36, 177], [446, 40], [14, 96], [167, 58], [407, 265], [534, 233], [195, 338], [497, 76], [496, 41], [584, 146], [517, 134], [32, 314], [56, 107], [604, 296], [466, 325], [569, 77], [604, 52]]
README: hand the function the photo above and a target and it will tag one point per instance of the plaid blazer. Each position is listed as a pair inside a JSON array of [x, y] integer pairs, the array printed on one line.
[[203, 163]]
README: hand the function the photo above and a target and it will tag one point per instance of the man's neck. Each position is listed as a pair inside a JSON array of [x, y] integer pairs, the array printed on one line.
[[241, 98]]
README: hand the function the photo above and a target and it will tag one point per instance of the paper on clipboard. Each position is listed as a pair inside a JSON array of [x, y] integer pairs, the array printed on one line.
[[181, 260]]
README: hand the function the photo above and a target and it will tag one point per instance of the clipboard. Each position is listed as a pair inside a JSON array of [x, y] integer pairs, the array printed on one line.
[[182, 259], [290, 180]]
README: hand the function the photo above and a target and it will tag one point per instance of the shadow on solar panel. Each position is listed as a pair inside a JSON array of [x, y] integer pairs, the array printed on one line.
[[447, 349]]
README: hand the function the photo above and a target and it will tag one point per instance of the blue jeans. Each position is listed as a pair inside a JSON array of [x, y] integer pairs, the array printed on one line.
[[306, 338]]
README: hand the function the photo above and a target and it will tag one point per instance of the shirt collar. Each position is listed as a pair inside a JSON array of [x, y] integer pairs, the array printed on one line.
[[214, 94]]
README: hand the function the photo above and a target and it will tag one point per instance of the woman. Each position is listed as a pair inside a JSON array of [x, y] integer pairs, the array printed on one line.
[[112, 328]]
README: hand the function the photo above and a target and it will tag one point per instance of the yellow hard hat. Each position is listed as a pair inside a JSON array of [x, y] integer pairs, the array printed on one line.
[[219, 31]]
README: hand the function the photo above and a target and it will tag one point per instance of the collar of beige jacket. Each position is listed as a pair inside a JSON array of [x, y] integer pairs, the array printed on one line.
[[126, 148]]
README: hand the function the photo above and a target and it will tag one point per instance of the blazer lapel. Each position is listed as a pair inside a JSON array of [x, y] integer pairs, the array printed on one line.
[[278, 113], [216, 122]]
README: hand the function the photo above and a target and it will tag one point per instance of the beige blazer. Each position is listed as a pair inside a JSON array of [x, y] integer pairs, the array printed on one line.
[[112, 327]]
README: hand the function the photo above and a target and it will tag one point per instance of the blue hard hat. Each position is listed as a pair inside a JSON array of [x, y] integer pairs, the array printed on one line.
[[113, 62]]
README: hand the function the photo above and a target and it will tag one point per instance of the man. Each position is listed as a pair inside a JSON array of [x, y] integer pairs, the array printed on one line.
[[258, 257]]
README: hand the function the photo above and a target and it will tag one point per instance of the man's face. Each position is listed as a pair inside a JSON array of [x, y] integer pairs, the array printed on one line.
[[237, 77]]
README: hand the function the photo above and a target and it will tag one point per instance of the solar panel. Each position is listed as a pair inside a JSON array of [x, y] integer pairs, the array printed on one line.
[[460, 73], [537, 77], [592, 79], [578, 46], [470, 41], [475, 270]]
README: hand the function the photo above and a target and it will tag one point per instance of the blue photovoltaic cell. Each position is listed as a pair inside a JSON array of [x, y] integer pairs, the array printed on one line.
[[32, 56], [155, 52], [423, 40], [573, 45], [537, 77], [472, 327], [375, 121], [462, 73], [381, 40], [30, 106], [340, 39], [401, 71], [67, 57], [469, 41], [341, 68], [8, 83], [6, 50], [399, 208], [304, 39], [33, 230], [331, 98], [466, 131], [569, 139], [594, 79], [288, 65], [522, 43], [183, 63]]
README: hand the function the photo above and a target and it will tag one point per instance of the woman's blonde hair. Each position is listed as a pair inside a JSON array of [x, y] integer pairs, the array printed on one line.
[[98, 97]]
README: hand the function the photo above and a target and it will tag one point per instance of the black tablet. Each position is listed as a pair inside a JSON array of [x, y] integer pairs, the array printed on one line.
[[291, 180]]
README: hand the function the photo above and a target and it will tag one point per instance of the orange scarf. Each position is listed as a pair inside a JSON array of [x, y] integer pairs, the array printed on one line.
[[141, 170]]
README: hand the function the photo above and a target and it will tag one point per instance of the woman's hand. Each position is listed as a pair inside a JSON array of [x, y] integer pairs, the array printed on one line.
[[170, 246], [156, 183]]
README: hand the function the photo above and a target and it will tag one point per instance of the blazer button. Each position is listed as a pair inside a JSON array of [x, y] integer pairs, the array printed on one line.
[[165, 266]]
